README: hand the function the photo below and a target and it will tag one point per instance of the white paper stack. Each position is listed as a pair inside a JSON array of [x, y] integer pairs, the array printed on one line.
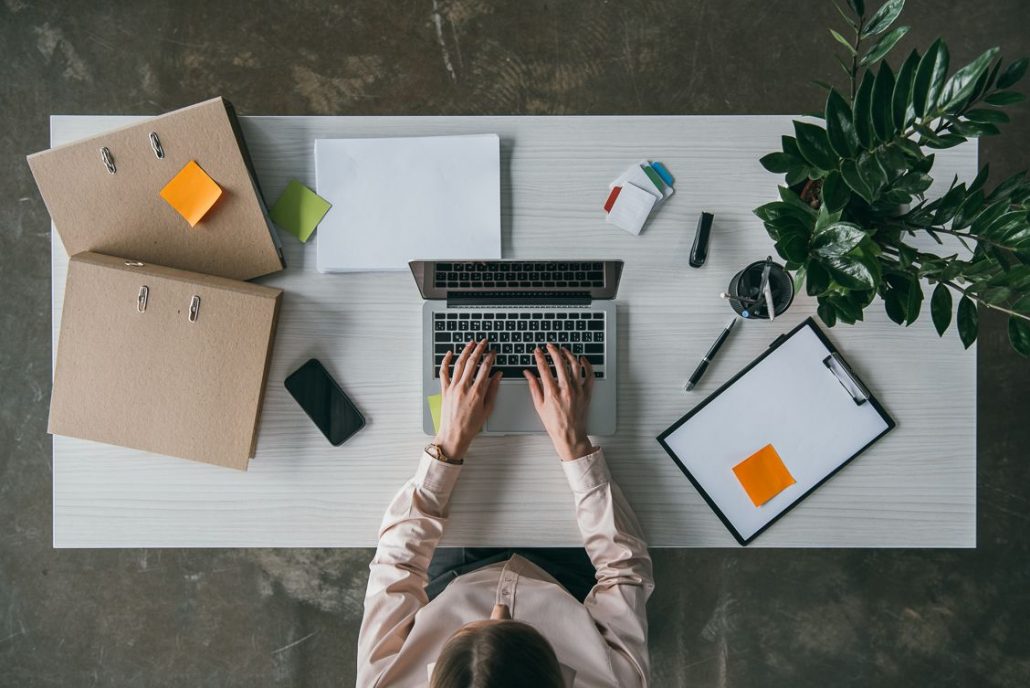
[[636, 193], [401, 199]]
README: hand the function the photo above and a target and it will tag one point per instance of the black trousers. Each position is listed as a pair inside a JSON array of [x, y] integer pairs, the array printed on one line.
[[570, 566]]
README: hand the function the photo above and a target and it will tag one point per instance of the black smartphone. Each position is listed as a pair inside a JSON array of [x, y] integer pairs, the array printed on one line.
[[325, 403]]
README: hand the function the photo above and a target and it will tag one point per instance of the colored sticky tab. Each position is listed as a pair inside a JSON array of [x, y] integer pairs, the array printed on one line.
[[663, 172], [435, 401], [299, 210], [611, 198], [763, 475], [655, 178], [631, 208], [191, 193]]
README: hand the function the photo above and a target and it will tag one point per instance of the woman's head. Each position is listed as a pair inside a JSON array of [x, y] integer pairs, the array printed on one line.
[[497, 653]]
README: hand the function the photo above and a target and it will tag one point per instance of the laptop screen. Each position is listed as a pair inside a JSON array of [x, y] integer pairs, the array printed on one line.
[[595, 279]]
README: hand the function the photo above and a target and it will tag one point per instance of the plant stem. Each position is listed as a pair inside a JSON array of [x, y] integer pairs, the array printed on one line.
[[970, 295], [983, 303], [967, 235], [854, 57]]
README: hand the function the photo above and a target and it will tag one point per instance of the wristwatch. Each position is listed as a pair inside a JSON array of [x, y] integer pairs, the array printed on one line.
[[436, 451]]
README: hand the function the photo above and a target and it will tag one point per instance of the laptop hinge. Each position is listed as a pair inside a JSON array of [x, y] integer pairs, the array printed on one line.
[[486, 299]]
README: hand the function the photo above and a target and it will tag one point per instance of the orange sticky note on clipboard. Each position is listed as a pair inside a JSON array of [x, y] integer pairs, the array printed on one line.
[[191, 192], [763, 475]]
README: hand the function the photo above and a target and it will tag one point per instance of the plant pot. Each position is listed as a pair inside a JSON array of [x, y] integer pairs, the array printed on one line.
[[746, 299]]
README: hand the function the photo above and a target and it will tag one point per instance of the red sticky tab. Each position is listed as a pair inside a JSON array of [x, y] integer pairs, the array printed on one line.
[[611, 198]]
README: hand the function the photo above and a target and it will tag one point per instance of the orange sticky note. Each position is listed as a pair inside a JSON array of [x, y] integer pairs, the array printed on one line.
[[763, 475], [191, 192]]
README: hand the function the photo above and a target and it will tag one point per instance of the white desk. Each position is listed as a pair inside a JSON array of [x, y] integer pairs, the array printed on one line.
[[915, 488]]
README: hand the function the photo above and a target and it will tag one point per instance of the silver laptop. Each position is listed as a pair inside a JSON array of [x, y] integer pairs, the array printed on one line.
[[519, 305]]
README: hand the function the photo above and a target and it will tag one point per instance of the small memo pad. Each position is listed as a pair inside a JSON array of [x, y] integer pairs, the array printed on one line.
[[299, 210], [191, 192], [763, 475]]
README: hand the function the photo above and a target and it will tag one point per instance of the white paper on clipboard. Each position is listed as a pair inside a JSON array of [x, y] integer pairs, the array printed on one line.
[[790, 399]]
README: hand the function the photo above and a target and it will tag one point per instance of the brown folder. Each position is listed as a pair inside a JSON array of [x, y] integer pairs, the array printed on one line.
[[162, 360], [103, 194]]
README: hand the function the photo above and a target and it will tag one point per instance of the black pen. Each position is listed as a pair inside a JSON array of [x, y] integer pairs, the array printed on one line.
[[703, 365]]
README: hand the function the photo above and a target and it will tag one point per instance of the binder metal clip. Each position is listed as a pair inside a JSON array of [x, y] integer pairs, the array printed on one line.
[[155, 143], [141, 299], [847, 378], [194, 308], [105, 156]]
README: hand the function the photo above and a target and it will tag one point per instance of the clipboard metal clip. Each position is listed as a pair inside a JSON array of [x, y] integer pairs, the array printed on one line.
[[847, 378]]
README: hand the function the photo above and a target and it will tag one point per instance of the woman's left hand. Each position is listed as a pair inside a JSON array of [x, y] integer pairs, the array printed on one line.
[[468, 397]]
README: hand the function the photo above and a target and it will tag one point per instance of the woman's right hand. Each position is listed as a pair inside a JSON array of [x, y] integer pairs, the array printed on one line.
[[563, 399]]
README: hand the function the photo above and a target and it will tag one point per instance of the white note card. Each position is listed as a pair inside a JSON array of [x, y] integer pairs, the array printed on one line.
[[407, 198]]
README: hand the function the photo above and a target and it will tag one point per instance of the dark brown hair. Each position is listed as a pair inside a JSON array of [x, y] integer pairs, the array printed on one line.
[[508, 654]]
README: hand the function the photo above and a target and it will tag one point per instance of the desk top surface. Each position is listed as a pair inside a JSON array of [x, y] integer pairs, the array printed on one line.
[[914, 488]]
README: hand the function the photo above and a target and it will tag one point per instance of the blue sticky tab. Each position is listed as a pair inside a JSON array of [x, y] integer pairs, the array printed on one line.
[[662, 172]]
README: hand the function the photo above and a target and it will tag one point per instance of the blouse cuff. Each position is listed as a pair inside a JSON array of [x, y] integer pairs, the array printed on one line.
[[588, 472], [435, 475]]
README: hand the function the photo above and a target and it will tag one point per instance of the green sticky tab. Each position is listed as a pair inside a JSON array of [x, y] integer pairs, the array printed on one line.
[[299, 210], [435, 401], [654, 177]]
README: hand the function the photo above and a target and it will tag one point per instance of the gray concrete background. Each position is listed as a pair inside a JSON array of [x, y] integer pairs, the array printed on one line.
[[290, 617]]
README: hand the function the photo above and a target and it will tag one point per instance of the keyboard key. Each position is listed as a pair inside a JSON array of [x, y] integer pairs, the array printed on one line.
[[442, 337], [582, 324], [594, 348], [596, 325], [595, 359], [439, 325]]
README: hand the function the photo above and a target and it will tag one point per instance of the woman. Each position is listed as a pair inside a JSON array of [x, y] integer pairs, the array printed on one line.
[[507, 622]]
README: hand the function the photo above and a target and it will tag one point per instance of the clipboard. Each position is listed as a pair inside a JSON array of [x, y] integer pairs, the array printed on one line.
[[103, 194], [801, 396]]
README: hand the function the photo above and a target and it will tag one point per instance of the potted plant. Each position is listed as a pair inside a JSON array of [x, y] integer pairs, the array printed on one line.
[[855, 183]]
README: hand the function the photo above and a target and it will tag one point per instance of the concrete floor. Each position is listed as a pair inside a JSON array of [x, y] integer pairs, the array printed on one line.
[[290, 617]]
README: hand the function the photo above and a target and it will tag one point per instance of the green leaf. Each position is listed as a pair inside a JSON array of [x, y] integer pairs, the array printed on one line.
[[940, 308], [778, 210], [849, 20], [914, 183], [818, 279], [815, 146], [871, 172], [840, 129], [849, 171], [1004, 98], [858, 6], [883, 18], [790, 197], [930, 74], [949, 204], [881, 107], [981, 178], [892, 303], [792, 246], [850, 272], [779, 163], [883, 46], [987, 116], [901, 105], [972, 130], [837, 239], [799, 278], [1019, 335], [946, 141], [824, 219], [961, 84], [967, 320], [835, 192], [863, 114], [1013, 73], [826, 313], [843, 41]]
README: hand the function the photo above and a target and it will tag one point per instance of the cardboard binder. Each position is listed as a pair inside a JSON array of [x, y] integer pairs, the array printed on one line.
[[103, 194], [162, 360]]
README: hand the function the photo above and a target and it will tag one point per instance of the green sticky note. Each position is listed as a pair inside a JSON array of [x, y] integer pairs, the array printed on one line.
[[653, 176], [299, 210], [434, 402]]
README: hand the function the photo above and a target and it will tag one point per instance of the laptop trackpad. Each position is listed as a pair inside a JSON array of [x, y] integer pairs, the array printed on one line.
[[514, 411]]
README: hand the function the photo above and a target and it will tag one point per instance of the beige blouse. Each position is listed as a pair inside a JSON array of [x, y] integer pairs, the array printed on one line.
[[602, 642]]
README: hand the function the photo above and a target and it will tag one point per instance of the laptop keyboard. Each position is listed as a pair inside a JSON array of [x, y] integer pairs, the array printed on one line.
[[519, 275], [515, 335]]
